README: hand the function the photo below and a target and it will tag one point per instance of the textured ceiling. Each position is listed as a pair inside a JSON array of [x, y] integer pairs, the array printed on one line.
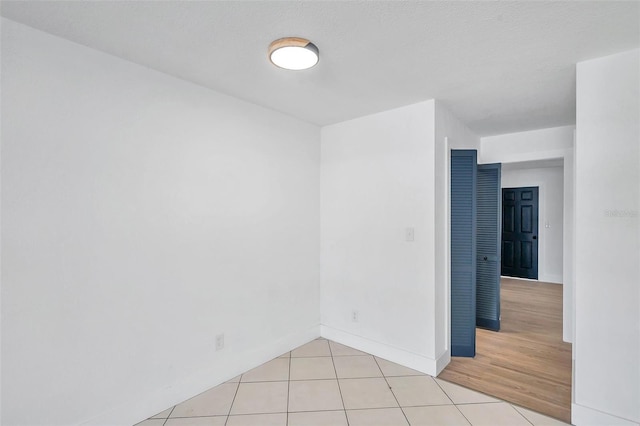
[[499, 66]]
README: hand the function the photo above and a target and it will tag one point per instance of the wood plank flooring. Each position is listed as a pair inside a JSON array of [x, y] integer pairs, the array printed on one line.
[[526, 363]]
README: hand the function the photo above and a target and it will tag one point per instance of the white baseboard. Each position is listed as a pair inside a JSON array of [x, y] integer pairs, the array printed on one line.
[[442, 361], [550, 278], [391, 353], [221, 370], [585, 416]]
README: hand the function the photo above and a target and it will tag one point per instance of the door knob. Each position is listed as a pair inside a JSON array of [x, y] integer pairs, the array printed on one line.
[[535, 238], [485, 258]]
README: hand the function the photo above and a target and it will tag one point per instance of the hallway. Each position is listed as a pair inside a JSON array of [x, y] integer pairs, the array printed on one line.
[[526, 363]]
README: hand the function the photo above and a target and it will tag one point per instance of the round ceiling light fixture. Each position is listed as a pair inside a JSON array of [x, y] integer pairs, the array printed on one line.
[[293, 53]]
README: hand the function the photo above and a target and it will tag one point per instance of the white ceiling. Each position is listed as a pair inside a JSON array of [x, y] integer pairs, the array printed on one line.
[[499, 66]]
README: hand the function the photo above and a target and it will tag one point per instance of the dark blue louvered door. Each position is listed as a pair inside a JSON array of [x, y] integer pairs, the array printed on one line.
[[488, 233], [463, 252]]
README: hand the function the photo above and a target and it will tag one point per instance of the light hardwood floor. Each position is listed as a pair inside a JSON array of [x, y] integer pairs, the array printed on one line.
[[526, 363]]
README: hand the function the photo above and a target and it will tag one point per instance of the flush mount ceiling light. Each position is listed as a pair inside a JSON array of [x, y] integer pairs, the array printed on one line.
[[293, 53]]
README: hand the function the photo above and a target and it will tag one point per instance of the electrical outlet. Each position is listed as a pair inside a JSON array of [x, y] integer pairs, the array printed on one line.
[[219, 342], [355, 316]]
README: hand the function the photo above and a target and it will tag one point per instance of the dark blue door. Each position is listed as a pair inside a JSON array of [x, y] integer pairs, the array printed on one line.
[[520, 232], [463, 252], [488, 231]]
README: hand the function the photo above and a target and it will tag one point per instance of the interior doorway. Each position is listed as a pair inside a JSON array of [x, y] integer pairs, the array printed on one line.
[[526, 362], [520, 232]]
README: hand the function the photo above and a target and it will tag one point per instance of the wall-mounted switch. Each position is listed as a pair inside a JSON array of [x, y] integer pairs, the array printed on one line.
[[219, 342], [409, 234]]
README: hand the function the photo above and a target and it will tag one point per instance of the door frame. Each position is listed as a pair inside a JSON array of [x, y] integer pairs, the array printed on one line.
[[542, 266], [443, 319], [539, 233]]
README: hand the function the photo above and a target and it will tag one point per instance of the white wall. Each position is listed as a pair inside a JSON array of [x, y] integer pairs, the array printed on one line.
[[141, 216], [607, 328], [377, 180], [532, 145], [536, 145], [550, 183], [450, 133]]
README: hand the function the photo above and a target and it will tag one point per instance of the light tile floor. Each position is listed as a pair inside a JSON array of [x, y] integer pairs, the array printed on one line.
[[324, 383]]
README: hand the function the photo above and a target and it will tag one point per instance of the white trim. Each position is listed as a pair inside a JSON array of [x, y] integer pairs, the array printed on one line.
[[220, 370], [551, 278], [581, 415], [442, 361], [568, 237], [542, 217], [391, 353], [447, 248]]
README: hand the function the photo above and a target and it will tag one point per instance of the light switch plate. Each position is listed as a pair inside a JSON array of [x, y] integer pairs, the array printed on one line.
[[219, 342], [410, 234]]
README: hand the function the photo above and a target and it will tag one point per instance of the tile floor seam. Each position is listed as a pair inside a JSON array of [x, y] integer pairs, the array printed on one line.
[[478, 403], [406, 375], [465, 417], [392, 392], [196, 417], [341, 356], [255, 414], [233, 400], [369, 377], [304, 380], [330, 410], [371, 408], [442, 389], [515, 407], [540, 414], [476, 406], [168, 415], [508, 404], [518, 411], [437, 380], [314, 356], [431, 405], [327, 410], [344, 408], [454, 404]]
